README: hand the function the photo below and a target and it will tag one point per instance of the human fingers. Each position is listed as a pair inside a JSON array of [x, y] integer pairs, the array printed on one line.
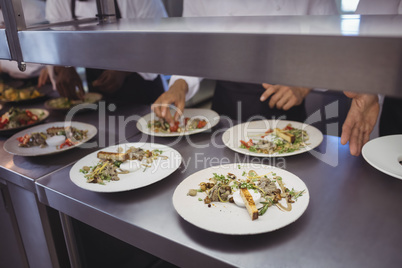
[[180, 104], [156, 108], [355, 143], [63, 90], [289, 104], [275, 96], [161, 108], [269, 90], [346, 131], [43, 77], [80, 92], [284, 100]]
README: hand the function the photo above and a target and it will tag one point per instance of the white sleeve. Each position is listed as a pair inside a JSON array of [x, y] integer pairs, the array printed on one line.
[[58, 10], [35, 11], [142, 9], [378, 7], [192, 82], [11, 67], [322, 7], [148, 76]]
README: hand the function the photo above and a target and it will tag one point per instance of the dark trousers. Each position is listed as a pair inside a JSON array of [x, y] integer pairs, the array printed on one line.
[[135, 89], [391, 117]]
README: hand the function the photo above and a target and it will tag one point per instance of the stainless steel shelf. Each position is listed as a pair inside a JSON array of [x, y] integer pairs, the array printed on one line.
[[357, 53]]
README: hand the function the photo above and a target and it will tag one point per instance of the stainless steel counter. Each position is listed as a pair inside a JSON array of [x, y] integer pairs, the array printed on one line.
[[30, 221], [353, 219]]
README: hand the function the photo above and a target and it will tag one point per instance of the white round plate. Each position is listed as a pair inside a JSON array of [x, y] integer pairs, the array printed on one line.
[[11, 145], [231, 137], [228, 218], [89, 98], [385, 154], [210, 116], [42, 115], [159, 169]]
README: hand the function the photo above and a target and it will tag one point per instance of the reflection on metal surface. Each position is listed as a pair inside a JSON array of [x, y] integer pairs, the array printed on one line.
[[350, 24], [4, 51], [349, 6]]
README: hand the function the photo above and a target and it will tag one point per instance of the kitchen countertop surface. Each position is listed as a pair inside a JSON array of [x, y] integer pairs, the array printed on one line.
[[353, 218]]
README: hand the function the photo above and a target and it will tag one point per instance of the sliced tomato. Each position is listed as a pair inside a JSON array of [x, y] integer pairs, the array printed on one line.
[[29, 113], [248, 144], [288, 128], [201, 124], [175, 127], [68, 142]]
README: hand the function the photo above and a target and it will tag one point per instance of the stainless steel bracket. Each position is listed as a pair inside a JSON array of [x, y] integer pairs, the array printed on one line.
[[14, 21], [106, 11]]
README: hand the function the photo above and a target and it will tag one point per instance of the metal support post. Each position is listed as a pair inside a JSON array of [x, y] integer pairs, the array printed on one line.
[[106, 11], [14, 21]]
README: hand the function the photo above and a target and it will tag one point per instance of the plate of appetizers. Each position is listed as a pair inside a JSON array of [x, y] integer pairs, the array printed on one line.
[[385, 154], [65, 104], [50, 138], [16, 119], [258, 198], [125, 167], [22, 95], [191, 122], [272, 138]]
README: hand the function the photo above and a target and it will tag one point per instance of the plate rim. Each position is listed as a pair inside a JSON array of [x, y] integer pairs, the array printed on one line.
[[366, 157], [46, 103], [116, 145], [239, 150], [23, 132], [156, 134], [248, 232]]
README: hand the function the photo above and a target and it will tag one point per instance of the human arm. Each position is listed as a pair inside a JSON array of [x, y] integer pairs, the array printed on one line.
[[175, 95], [58, 11], [110, 81], [181, 89], [284, 97], [360, 121], [43, 78], [68, 82]]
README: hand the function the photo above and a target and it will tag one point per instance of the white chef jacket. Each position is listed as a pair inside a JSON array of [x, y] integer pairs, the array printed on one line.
[[60, 10], [203, 8], [375, 7], [34, 12]]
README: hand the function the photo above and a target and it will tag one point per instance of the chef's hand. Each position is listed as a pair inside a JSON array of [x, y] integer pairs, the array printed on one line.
[[284, 97], [175, 95], [110, 81], [43, 78], [360, 121], [68, 83]]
